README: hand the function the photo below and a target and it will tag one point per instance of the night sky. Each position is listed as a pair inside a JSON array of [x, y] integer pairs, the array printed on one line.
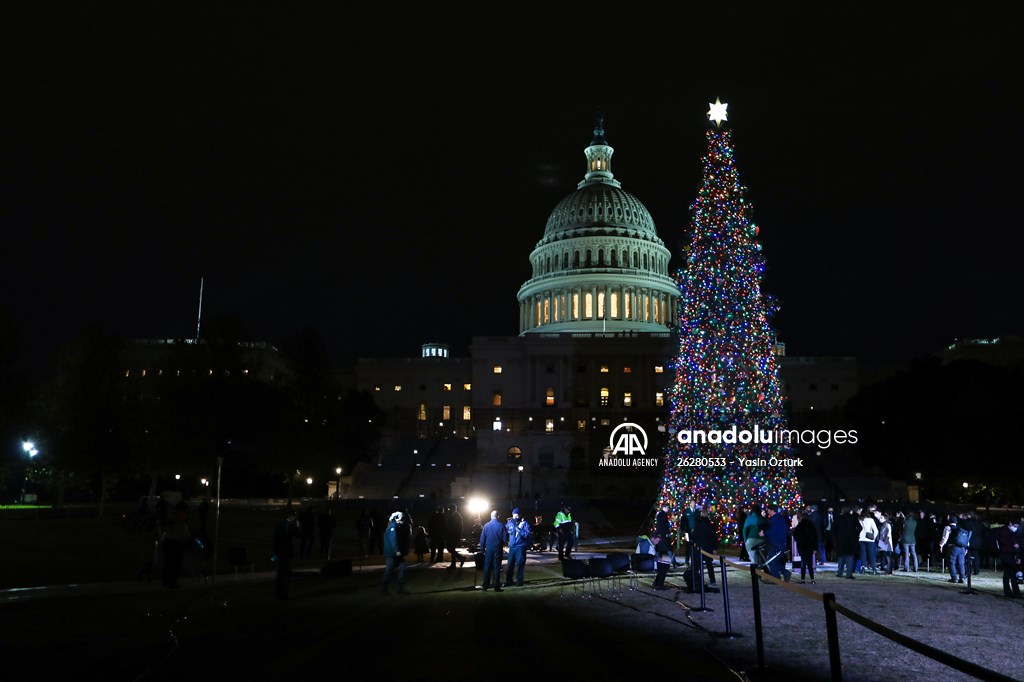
[[383, 176]]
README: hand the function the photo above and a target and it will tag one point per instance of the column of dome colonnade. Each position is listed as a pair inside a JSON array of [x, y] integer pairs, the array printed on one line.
[[600, 265]]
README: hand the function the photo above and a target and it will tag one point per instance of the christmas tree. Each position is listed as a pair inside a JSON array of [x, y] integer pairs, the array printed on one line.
[[726, 449]]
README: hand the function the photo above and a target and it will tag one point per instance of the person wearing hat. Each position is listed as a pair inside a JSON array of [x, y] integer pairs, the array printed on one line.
[[519, 539], [396, 546], [565, 528], [492, 543]]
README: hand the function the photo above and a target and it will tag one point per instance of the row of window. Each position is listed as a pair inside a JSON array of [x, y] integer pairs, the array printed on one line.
[[604, 393], [177, 373], [603, 369], [612, 258], [496, 369]]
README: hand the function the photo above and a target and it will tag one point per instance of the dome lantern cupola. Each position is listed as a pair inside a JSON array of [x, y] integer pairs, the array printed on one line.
[[599, 158]]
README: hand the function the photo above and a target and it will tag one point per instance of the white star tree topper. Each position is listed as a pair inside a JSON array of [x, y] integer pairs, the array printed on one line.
[[717, 112]]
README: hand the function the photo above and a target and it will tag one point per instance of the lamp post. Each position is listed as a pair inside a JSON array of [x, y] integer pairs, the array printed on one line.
[[309, 486], [337, 491], [520, 483], [29, 449]]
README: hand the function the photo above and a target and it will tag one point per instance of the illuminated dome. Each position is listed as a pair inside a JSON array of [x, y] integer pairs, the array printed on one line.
[[600, 265]]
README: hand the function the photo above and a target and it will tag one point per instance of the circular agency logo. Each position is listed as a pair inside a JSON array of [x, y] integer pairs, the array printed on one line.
[[627, 447]]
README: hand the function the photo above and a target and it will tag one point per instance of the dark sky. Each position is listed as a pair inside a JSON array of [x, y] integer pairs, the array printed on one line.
[[383, 176]]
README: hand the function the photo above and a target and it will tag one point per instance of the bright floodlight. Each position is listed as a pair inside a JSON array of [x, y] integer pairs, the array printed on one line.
[[29, 447], [309, 481], [478, 505], [177, 477], [338, 471], [965, 484], [520, 468]]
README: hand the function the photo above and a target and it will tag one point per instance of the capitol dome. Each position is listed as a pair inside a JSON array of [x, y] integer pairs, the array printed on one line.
[[600, 265]]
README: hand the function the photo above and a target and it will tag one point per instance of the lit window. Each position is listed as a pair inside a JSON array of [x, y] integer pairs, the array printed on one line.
[[604, 369], [398, 387], [446, 412], [659, 399], [549, 425], [496, 369], [496, 400], [422, 414], [467, 413], [588, 305], [496, 426], [143, 372], [627, 370], [606, 422], [659, 369], [605, 397], [627, 399], [467, 387], [581, 425], [549, 398], [446, 388], [377, 388]]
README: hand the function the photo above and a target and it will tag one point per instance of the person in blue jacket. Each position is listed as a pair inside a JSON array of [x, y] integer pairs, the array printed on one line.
[[492, 543], [778, 541], [396, 546], [520, 537]]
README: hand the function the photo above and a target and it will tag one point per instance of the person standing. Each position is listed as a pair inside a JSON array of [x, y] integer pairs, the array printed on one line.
[[396, 546], [829, 545], [778, 540], [307, 525], [492, 542], [690, 515], [704, 538], [806, 537], [817, 520], [909, 544], [326, 525], [753, 532], [566, 530], [420, 543], [952, 538], [435, 529], [845, 532], [519, 535], [886, 544], [867, 538], [1009, 558], [364, 530], [453, 530], [175, 537], [663, 530], [284, 552]]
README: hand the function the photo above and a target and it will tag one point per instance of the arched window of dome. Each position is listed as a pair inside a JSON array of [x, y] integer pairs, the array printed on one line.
[[590, 211], [565, 260], [575, 306], [547, 311], [636, 259], [588, 306], [547, 265], [625, 258], [615, 258], [645, 261], [576, 259], [590, 259], [614, 305], [549, 396], [600, 305], [600, 256]]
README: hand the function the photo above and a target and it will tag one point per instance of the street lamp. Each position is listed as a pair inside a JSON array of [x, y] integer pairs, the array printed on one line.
[[520, 482], [337, 491], [309, 486], [30, 449]]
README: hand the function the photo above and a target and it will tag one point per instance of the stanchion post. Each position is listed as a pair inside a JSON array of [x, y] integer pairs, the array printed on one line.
[[970, 572], [729, 634], [697, 571], [759, 636], [829, 598]]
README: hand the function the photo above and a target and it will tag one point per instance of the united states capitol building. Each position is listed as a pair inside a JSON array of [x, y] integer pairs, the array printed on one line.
[[530, 415]]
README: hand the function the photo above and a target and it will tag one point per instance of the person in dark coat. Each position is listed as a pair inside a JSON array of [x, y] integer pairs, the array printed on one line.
[[453, 530], [845, 534], [492, 541], [396, 546], [778, 539], [806, 537], [705, 538], [662, 550], [284, 552], [307, 525], [663, 530], [435, 529], [1009, 558], [326, 525]]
